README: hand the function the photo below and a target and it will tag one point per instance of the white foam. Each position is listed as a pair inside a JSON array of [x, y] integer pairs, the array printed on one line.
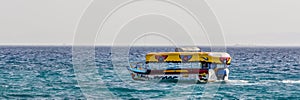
[[291, 81], [237, 81]]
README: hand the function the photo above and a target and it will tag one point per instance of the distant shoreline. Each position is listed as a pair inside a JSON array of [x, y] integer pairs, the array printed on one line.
[[145, 46]]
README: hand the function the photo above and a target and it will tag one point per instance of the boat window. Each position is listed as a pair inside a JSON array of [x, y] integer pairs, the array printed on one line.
[[177, 65], [221, 65], [186, 65], [163, 66], [213, 66], [158, 66], [205, 65], [171, 65], [196, 65]]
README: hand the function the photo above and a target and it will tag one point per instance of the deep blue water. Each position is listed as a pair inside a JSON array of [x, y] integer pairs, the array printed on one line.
[[48, 73]]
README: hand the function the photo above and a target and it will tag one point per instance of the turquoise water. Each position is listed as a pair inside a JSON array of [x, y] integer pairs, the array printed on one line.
[[48, 73]]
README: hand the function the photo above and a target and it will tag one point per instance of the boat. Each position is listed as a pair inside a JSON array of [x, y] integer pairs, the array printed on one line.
[[182, 64]]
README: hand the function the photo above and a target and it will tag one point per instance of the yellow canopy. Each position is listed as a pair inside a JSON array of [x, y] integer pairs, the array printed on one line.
[[185, 57]]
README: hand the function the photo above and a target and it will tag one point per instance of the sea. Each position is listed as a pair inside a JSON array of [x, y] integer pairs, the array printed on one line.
[[56, 72]]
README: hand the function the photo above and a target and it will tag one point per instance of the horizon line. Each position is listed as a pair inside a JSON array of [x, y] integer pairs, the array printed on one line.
[[151, 45]]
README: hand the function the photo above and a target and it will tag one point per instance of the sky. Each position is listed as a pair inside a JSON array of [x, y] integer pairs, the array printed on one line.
[[244, 22]]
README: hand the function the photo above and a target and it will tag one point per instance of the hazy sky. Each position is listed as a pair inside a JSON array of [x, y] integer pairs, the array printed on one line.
[[262, 22]]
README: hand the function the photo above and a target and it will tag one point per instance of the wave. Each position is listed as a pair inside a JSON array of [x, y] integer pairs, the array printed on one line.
[[291, 81], [279, 81], [237, 81], [261, 82]]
